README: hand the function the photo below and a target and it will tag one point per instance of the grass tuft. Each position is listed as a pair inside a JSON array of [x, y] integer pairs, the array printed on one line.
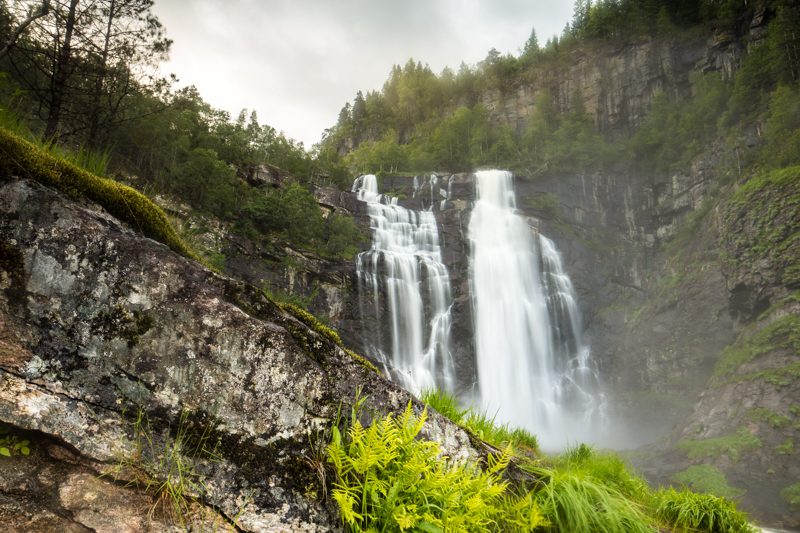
[[686, 511], [479, 423]]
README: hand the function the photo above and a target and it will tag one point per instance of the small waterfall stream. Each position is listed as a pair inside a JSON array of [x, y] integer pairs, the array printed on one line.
[[405, 263], [534, 370]]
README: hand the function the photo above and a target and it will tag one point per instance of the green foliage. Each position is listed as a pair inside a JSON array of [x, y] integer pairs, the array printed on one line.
[[676, 130], [487, 429], [733, 445], [786, 447], [782, 130], [604, 468], [781, 333], [343, 238], [572, 501], [387, 479], [706, 479], [24, 159], [12, 443], [480, 424], [761, 225], [445, 404], [791, 494], [291, 211], [168, 466], [686, 511], [775, 420]]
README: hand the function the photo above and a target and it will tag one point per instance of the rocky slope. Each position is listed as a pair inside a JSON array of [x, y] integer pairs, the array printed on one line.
[[100, 327]]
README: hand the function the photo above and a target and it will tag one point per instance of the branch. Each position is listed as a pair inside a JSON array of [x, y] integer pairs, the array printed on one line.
[[43, 10]]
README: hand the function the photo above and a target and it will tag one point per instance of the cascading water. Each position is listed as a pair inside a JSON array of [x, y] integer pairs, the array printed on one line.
[[533, 369], [405, 264]]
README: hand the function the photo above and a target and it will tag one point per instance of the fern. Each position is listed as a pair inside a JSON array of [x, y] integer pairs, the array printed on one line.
[[388, 479]]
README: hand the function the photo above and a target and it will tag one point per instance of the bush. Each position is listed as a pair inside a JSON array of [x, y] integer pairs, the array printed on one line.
[[343, 237], [290, 211]]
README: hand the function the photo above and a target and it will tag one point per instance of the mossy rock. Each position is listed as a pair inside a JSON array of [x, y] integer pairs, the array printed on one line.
[[312, 322], [760, 233], [20, 158]]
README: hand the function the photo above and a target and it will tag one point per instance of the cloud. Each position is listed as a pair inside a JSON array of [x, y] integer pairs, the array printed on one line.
[[297, 62]]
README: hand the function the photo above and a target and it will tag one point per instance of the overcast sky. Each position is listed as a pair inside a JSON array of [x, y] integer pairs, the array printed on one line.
[[297, 62]]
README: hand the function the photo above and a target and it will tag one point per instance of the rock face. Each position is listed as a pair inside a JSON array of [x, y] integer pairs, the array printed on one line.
[[98, 324]]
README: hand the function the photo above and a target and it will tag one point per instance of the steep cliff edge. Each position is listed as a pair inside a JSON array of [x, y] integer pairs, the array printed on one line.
[[99, 324]]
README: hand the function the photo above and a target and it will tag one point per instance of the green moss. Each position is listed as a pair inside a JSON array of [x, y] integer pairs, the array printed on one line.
[[708, 479], [761, 224], [776, 420], [786, 447], [312, 322], [730, 445], [791, 494], [21, 158], [783, 333]]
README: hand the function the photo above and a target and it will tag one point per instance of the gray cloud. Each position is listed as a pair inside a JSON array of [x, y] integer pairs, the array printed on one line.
[[296, 62]]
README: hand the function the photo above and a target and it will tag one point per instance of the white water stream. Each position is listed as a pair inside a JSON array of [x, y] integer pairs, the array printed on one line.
[[405, 263], [534, 370]]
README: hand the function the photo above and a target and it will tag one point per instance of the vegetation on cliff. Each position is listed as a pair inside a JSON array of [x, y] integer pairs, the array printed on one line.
[[420, 120]]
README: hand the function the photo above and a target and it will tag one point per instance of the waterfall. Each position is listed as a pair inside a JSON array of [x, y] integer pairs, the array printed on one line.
[[405, 267], [534, 371]]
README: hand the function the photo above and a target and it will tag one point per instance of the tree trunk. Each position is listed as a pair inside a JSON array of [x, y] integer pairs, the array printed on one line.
[[61, 74], [94, 121]]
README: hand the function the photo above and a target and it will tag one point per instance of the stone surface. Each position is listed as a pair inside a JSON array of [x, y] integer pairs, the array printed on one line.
[[98, 322]]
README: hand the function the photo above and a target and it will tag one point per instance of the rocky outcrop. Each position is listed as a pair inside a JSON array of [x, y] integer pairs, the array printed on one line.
[[98, 324]]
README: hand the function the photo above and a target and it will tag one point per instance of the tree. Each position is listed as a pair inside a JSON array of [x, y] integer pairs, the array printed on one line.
[[84, 62], [34, 12], [531, 45]]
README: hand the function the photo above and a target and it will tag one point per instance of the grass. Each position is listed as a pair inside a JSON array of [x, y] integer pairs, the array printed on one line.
[[706, 479], [731, 445], [22, 158], [574, 502], [388, 479], [167, 467], [480, 424], [687, 512]]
